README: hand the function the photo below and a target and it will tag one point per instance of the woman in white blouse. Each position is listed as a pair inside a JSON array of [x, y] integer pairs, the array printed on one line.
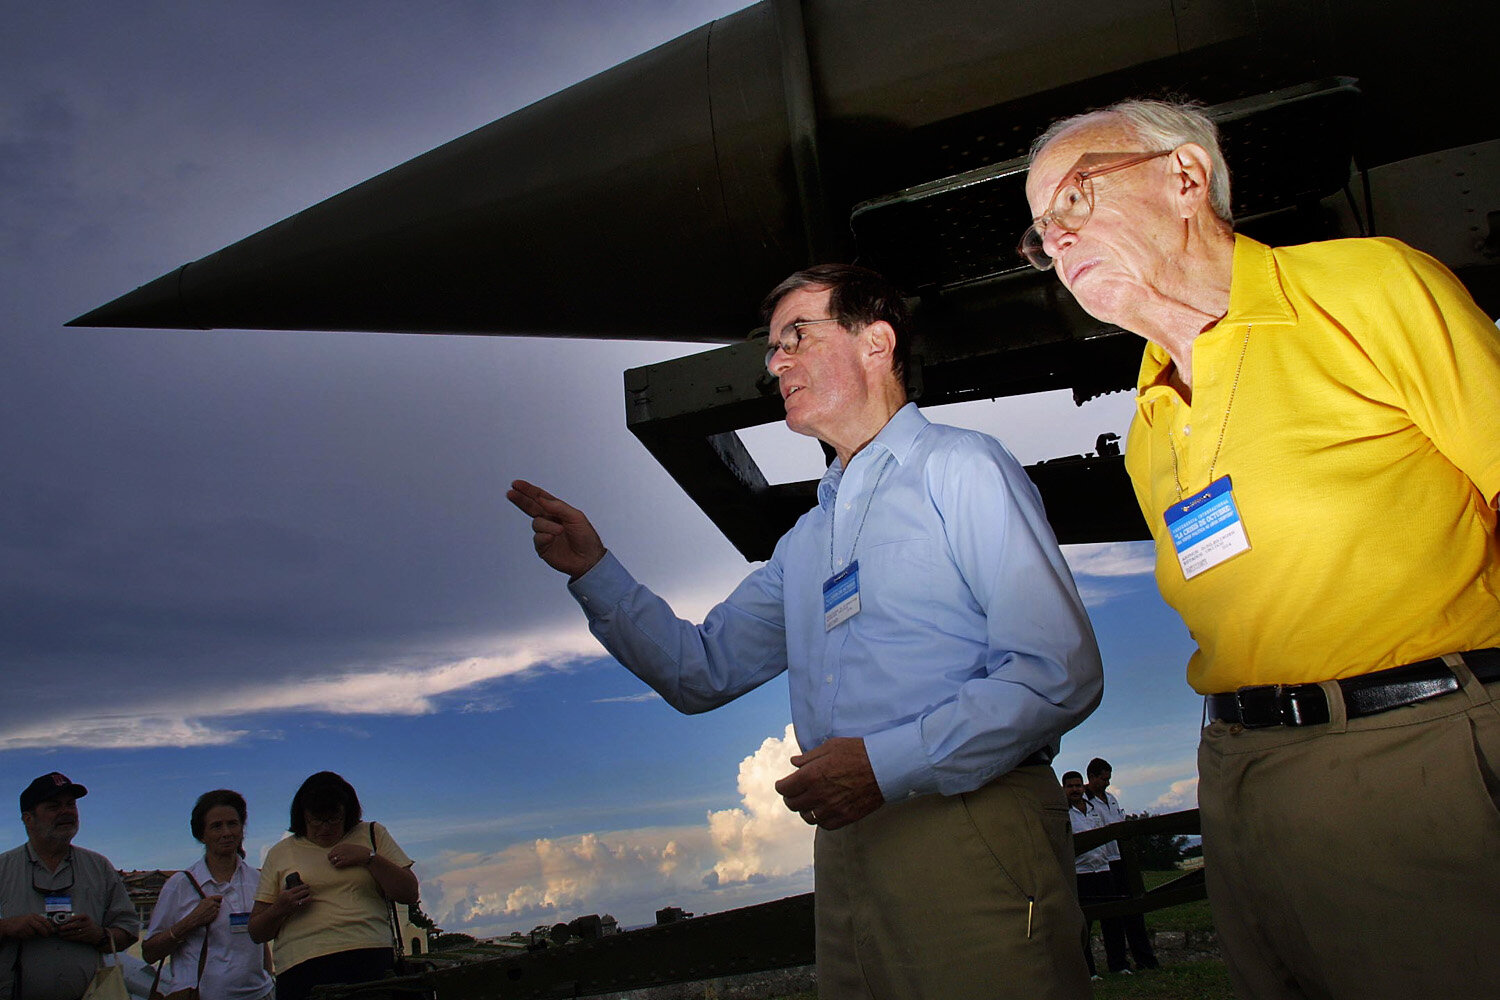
[[202, 917]]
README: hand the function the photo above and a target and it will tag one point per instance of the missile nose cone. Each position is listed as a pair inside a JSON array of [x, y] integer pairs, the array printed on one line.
[[565, 218], [155, 305]]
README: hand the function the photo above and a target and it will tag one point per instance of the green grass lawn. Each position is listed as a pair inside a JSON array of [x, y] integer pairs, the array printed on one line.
[[1184, 981], [1196, 980], [1187, 917]]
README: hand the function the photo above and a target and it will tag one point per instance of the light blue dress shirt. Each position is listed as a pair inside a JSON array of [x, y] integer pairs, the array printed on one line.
[[971, 649]]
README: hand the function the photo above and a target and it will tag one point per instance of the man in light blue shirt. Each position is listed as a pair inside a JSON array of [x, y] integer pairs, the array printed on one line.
[[936, 651]]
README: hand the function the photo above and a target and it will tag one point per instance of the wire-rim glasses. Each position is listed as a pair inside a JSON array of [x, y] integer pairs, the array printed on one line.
[[1071, 205], [791, 342]]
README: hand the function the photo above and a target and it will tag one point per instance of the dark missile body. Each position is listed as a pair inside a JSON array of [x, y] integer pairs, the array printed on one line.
[[660, 199], [721, 161]]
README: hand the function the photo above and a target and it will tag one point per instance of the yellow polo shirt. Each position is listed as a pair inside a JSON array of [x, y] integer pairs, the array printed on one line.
[[1355, 387]]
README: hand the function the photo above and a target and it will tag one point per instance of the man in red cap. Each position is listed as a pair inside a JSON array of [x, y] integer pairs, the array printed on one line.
[[62, 904]]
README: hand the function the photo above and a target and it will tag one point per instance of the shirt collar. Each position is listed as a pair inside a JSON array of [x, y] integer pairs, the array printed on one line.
[[897, 437], [36, 860], [200, 871], [1255, 292], [1256, 298]]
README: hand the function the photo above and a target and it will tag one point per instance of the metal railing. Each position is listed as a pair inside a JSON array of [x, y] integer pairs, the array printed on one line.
[[1186, 888], [758, 938]]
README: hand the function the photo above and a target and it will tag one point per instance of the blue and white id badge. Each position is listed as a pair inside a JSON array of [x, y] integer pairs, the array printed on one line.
[[239, 923], [841, 596], [1206, 528]]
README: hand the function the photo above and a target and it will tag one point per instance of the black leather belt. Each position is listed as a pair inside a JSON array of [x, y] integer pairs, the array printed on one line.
[[1367, 694]]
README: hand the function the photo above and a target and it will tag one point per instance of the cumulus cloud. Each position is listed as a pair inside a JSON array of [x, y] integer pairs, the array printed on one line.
[[555, 878], [747, 854], [1181, 795], [197, 718], [762, 837], [1163, 768]]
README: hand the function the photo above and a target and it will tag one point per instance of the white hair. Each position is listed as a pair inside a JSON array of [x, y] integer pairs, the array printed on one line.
[[1158, 125]]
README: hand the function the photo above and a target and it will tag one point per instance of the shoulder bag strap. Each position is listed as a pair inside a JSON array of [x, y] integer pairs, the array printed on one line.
[[114, 952], [162, 962], [389, 904], [203, 953]]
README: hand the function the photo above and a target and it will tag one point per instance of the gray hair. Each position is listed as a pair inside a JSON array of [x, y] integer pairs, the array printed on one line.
[[1158, 125]]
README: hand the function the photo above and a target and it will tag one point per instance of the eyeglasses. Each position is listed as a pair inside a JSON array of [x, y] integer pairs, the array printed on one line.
[[791, 344], [1072, 204]]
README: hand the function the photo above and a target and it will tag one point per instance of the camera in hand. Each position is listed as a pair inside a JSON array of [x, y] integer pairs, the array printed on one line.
[[60, 916], [293, 879]]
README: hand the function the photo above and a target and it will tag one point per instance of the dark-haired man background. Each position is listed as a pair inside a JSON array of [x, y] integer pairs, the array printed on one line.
[[936, 651], [1130, 928], [1315, 451], [1094, 879], [60, 905]]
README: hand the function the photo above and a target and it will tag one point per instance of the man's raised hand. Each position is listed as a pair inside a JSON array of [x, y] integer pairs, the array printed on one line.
[[562, 536]]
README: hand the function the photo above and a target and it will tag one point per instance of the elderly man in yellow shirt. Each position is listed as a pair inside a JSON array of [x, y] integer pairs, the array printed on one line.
[[1315, 449]]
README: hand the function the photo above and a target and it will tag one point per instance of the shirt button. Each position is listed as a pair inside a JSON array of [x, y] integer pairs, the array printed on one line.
[[847, 506], [838, 562], [828, 679], [1187, 428]]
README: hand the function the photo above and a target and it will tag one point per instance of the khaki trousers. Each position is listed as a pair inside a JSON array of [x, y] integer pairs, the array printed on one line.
[[1360, 859], [953, 897]]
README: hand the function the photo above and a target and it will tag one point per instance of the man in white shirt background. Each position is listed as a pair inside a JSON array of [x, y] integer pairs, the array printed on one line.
[[1132, 927]]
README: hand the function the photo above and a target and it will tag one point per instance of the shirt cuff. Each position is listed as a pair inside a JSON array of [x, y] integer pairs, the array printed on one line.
[[605, 585], [900, 762]]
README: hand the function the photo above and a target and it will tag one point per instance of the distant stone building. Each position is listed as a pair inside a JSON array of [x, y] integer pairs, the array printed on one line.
[[144, 888]]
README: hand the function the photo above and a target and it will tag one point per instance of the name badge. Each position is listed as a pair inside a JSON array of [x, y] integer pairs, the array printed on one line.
[[239, 923], [1206, 528], [841, 597]]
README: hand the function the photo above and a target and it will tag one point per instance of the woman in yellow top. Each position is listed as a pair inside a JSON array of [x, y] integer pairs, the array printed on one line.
[[322, 899]]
